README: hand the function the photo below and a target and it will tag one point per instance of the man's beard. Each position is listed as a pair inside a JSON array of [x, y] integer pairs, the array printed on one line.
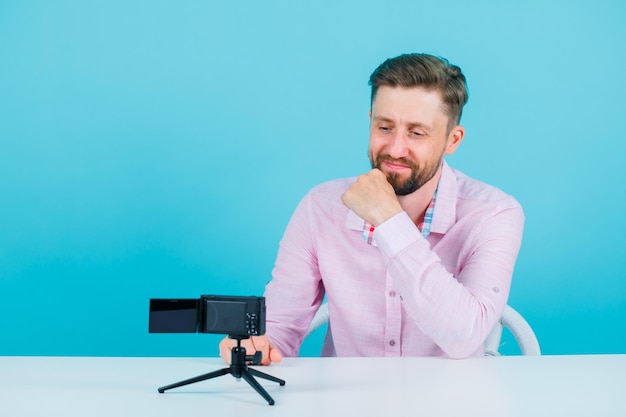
[[414, 182]]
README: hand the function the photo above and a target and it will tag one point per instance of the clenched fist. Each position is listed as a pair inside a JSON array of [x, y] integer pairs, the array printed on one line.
[[372, 198]]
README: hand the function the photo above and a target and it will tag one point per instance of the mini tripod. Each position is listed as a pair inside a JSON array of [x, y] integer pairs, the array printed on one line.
[[238, 368]]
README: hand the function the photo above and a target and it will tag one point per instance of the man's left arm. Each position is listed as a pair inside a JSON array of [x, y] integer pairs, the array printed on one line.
[[456, 311]]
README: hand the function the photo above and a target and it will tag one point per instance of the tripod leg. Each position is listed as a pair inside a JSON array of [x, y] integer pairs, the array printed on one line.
[[266, 376], [245, 374], [199, 378]]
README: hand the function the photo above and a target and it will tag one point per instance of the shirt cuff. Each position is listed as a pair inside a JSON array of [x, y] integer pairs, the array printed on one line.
[[397, 233]]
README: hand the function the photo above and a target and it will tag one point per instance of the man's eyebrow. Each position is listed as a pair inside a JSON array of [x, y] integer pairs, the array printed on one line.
[[420, 125], [383, 119], [411, 125]]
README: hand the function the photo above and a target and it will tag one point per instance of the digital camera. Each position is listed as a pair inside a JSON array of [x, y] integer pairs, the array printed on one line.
[[232, 315]]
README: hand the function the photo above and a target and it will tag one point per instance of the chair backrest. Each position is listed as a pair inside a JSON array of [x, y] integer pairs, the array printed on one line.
[[510, 319], [519, 328], [319, 319]]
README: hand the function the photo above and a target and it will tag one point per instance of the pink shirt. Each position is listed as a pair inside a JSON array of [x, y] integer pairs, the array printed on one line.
[[404, 294]]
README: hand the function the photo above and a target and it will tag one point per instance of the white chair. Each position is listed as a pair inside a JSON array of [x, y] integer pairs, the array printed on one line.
[[510, 319]]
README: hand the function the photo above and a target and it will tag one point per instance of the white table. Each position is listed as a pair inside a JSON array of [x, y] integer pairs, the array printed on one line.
[[528, 386]]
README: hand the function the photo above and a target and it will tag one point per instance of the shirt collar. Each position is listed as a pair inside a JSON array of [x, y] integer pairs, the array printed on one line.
[[444, 215]]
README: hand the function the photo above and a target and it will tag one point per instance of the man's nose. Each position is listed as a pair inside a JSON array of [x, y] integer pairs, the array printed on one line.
[[399, 145]]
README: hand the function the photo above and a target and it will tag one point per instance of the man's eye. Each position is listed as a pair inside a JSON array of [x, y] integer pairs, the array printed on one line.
[[384, 128], [416, 133]]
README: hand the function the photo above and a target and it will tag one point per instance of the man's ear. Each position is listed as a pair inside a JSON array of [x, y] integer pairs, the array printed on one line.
[[455, 137]]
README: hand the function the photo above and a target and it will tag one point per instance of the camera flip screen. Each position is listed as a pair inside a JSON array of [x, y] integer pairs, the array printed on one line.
[[173, 315]]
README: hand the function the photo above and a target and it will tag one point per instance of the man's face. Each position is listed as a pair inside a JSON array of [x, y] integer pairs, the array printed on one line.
[[409, 136]]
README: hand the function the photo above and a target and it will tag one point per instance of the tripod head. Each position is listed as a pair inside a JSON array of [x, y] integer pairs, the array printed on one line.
[[238, 357]]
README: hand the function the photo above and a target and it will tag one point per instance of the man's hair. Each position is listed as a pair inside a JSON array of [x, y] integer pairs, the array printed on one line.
[[426, 71]]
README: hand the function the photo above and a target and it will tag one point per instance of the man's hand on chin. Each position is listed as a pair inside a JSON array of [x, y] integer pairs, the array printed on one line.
[[372, 198]]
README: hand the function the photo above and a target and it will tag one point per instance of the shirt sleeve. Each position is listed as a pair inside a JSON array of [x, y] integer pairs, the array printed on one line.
[[457, 311], [295, 292]]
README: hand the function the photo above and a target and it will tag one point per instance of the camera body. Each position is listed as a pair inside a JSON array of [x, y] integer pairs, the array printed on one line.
[[235, 316]]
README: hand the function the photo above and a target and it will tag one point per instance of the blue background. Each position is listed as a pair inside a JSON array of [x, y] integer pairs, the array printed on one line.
[[158, 149]]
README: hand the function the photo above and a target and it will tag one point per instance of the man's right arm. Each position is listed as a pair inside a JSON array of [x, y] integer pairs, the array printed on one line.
[[296, 291], [292, 296]]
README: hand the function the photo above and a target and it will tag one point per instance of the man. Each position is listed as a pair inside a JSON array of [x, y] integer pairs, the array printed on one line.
[[413, 257]]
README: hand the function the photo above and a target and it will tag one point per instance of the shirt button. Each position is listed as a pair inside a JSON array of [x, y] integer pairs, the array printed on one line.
[[392, 294], [392, 342]]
